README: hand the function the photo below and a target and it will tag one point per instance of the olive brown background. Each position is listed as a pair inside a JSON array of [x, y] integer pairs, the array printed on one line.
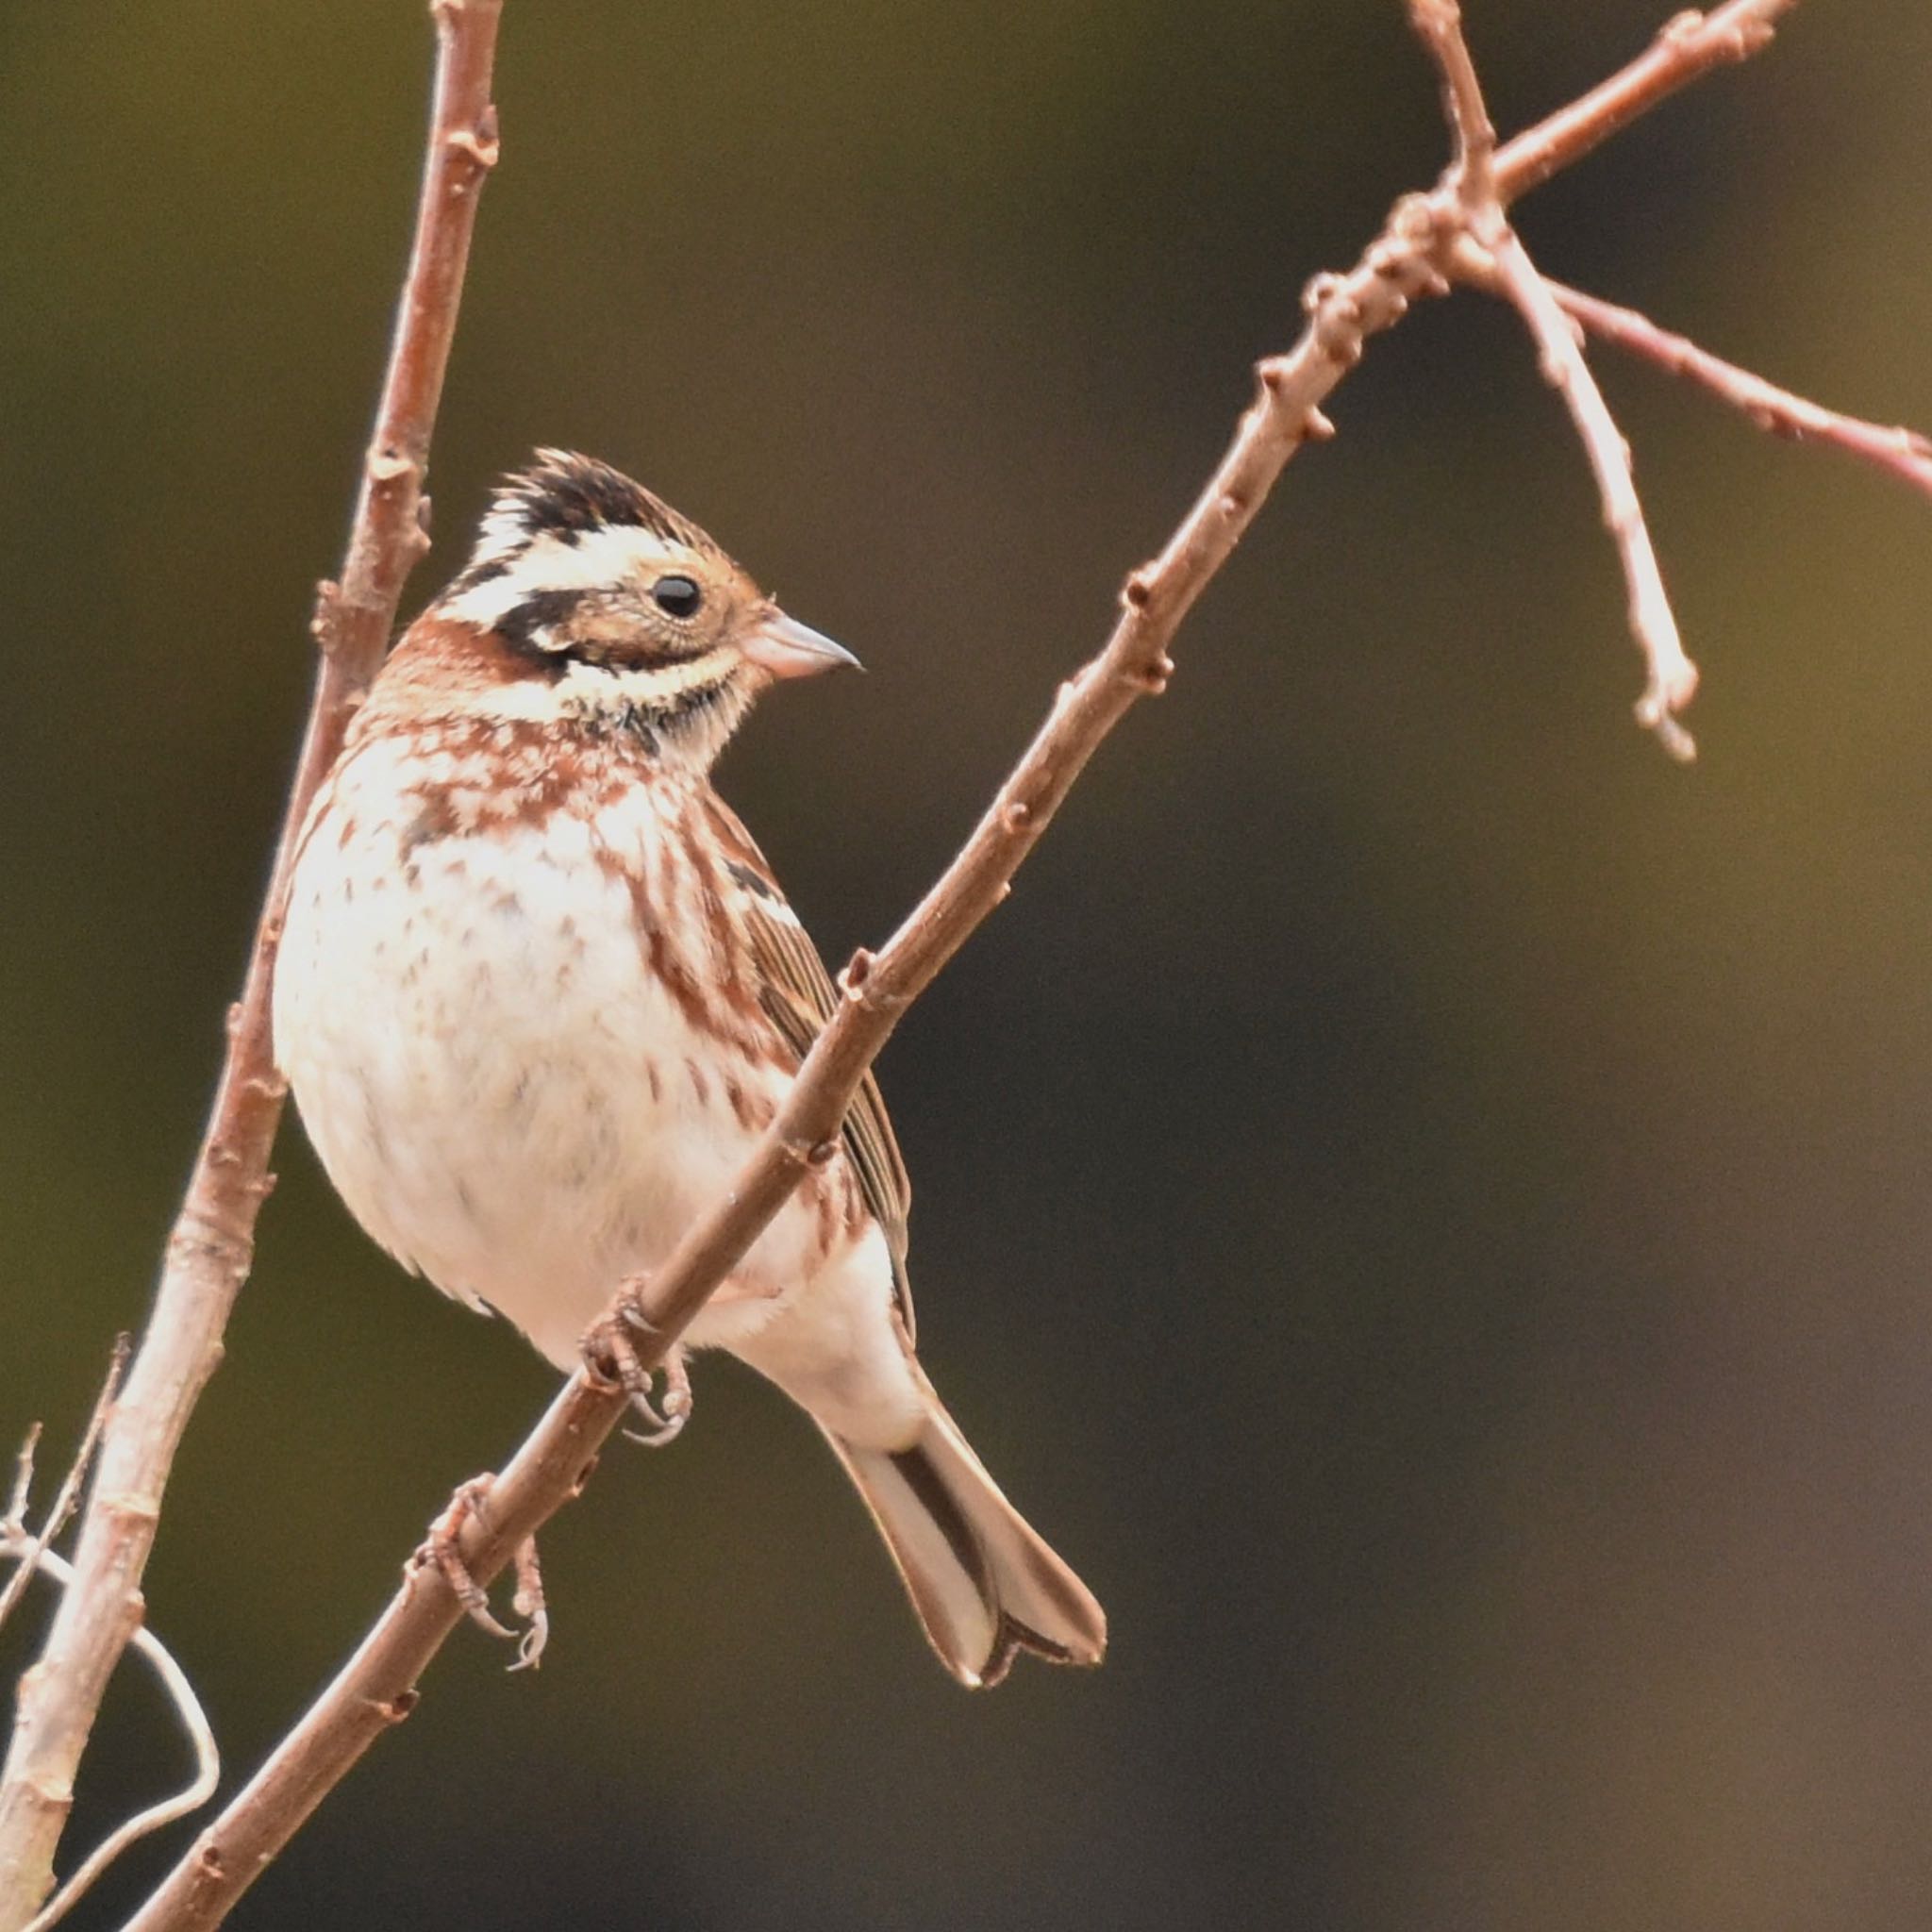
[[1423, 1201]]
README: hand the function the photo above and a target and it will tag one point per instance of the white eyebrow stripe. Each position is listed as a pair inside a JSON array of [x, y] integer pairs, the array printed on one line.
[[599, 559]]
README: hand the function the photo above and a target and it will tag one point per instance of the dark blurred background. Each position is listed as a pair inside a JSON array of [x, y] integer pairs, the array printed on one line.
[[1423, 1200]]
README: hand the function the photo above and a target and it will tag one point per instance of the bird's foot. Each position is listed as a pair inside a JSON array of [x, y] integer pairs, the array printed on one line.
[[615, 1349], [441, 1550]]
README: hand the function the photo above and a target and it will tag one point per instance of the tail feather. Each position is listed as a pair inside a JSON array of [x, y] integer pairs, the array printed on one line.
[[984, 1582]]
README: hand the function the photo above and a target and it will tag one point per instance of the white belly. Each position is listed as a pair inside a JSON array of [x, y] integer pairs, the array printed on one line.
[[512, 1103]]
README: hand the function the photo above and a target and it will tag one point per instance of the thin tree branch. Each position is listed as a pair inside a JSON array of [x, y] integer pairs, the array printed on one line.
[[377, 1687], [1901, 452], [210, 1248], [1673, 677], [1687, 48], [1439, 22], [33, 1557], [62, 1506], [1491, 249]]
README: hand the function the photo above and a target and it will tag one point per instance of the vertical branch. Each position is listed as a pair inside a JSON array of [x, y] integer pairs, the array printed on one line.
[[211, 1245]]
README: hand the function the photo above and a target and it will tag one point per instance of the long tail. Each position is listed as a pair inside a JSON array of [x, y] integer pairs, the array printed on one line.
[[984, 1582]]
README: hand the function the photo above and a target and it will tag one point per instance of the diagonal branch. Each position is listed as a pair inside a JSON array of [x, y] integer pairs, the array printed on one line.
[[1688, 46], [210, 1250], [1901, 452], [377, 1687]]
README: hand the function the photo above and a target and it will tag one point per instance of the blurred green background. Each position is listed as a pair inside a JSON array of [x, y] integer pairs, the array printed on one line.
[[1425, 1202]]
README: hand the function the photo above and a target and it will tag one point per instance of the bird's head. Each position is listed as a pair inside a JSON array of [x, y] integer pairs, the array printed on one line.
[[594, 602]]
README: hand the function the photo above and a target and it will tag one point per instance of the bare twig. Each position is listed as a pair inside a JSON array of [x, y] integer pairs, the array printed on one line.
[[64, 1496], [1901, 452], [33, 1557], [1689, 47], [376, 1688], [210, 1250], [1491, 251], [23, 1476], [1440, 24], [1673, 679]]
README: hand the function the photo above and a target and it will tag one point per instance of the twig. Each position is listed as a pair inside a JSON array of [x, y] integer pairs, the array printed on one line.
[[23, 1476], [32, 1557], [1440, 24], [64, 1496], [1490, 250], [1673, 677], [1901, 452], [1688, 46], [210, 1248], [376, 1688]]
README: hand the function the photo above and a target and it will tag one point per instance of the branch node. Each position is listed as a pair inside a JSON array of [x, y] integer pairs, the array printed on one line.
[[1316, 428], [1138, 589], [1016, 815], [1317, 290], [477, 145], [385, 466]]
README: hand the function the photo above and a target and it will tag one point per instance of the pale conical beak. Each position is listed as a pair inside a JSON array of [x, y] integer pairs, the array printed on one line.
[[785, 648]]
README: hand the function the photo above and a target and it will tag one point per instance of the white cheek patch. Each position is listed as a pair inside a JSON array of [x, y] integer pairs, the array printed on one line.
[[597, 693], [600, 559], [587, 689]]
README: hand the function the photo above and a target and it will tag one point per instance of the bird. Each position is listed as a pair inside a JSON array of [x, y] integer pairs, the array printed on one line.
[[539, 995]]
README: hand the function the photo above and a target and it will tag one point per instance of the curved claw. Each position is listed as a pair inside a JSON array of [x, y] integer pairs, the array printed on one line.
[[441, 1550], [668, 1415], [612, 1357], [529, 1605]]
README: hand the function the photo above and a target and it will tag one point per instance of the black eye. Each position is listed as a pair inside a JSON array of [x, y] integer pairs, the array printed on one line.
[[677, 596]]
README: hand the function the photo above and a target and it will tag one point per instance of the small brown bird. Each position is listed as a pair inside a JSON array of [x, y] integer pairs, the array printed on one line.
[[539, 995]]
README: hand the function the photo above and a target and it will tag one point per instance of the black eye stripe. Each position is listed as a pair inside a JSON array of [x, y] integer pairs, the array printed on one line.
[[538, 611], [676, 595]]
